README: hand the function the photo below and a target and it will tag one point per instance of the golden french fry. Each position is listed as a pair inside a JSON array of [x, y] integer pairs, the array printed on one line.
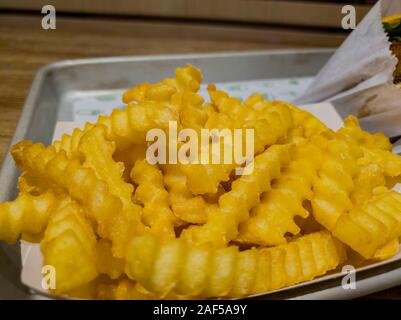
[[69, 247], [30, 184], [26, 214], [201, 271], [376, 147], [129, 157], [186, 79], [352, 131], [135, 120], [98, 152], [305, 125], [70, 143], [368, 178], [154, 197], [389, 250], [234, 206], [269, 123], [185, 205], [333, 188], [83, 186], [105, 262], [389, 162], [274, 217], [370, 226]]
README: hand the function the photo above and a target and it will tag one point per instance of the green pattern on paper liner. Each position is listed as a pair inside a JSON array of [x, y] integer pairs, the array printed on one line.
[[287, 89], [88, 108]]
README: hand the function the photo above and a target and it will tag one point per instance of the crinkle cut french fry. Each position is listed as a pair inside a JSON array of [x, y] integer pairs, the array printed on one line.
[[269, 124], [376, 147], [125, 127], [274, 217], [389, 162], [154, 197], [186, 79], [193, 114], [333, 188], [70, 143], [98, 152], [370, 226], [32, 185], [129, 157], [389, 250], [374, 221], [26, 214], [270, 120], [69, 246], [368, 178], [187, 104], [203, 271], [234, 206], [129, 125], [179, 93], [126, 117], [105, 262], [185, 205], [306, 125], [352, 131], [82, 185]]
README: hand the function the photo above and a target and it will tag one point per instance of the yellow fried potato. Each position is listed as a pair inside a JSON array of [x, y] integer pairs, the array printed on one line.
[[389, 162], [82, 185], [30, 184], [186, 79], [305, 125], [69, 247], [369, 177], [105, 262], [202, 271], [274, 217], [352, 131], [269, 123], [26, 214], [98, 152], [154, 197], [129, 157], [186, 206], [336, 180], [69, 143], [234, 206], [389, 250], [376, 147], [370, 226]]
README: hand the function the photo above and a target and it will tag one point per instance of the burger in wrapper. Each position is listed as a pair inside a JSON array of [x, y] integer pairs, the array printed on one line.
[[392, 25]]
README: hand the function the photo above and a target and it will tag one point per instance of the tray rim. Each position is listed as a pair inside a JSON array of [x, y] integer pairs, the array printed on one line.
[[334, 290]]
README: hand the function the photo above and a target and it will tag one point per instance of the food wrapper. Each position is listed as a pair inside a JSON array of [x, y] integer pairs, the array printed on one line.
[[358, 78]]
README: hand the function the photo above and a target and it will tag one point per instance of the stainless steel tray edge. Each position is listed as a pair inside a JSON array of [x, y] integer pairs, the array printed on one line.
[[390, 276]]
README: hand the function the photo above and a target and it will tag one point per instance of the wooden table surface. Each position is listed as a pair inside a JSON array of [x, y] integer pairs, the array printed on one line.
[[25, 47]]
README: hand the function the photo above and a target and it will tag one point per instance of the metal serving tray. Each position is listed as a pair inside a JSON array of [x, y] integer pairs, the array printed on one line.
[[50, 100]]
